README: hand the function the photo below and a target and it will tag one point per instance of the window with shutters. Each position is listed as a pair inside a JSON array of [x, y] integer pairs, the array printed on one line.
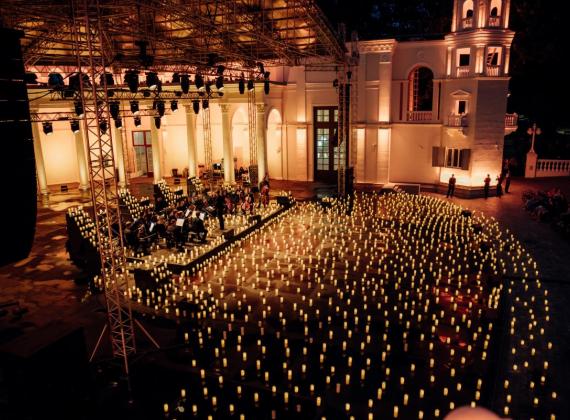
[[457, 158]]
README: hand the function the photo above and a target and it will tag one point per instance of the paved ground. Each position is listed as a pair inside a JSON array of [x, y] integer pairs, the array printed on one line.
[[43, 283]]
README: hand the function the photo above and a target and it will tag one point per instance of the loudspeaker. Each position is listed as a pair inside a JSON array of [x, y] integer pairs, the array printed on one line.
[[16, 128]]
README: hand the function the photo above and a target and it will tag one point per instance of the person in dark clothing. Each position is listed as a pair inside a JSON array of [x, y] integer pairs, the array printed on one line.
[[220, 209], [451, 186], [487, 185], [159, 204], [499, 186], [507, 181]]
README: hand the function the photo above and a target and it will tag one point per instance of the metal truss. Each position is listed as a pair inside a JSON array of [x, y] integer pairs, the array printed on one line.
[[207, 131], [200, 33], [71, 116], [88, 37]]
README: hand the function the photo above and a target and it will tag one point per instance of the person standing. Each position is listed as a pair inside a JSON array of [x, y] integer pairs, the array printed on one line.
[[507, 181], [499, 186], [487, 185], [220, 209], [451, 186]]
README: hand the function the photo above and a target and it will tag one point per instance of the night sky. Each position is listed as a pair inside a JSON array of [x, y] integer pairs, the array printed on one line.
[[540, 84]]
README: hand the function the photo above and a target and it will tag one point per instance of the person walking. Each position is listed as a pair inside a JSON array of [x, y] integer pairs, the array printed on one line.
[[451, 186], [499, 186], [487, 182], [507, 181]]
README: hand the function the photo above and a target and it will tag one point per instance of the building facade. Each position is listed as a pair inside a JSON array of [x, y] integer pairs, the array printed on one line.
[[423, 110]]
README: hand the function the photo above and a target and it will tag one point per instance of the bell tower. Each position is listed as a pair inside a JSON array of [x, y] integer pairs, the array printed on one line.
[[477, 78]]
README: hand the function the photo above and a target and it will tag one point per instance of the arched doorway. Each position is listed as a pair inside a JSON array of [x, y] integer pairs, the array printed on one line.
[[240, 138], [274, 145]]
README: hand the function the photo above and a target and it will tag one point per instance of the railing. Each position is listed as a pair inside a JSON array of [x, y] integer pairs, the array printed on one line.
[[511, 120], [463, 71], [467, 23], [494, 21], [552, 167], [493, 71], [457, 120], [419, 116]]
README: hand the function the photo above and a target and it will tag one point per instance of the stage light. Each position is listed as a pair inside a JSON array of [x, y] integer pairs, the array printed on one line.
[[196, 106], [132, 80], [159, 106], [261, 67], [48, 128], [250, 85], [78, 105], [103, 126], [175, 77], [266, 82], [220, 83], [118, 122], [208, 88], [107, 78], [157, 121], [205, 103], [137, 121], [135, 107], [185, 83], [55, 81], [146, 93], [75, 81], [173, 106], [152, 80], [114, 109], [74, 124], [30, 78], [220, 70], [241, 85], [199, 82]]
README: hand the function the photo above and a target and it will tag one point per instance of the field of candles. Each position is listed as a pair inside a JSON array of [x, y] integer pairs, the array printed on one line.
[[392, 306]]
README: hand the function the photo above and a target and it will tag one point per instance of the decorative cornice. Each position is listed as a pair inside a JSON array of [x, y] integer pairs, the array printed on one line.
[[378, 46]]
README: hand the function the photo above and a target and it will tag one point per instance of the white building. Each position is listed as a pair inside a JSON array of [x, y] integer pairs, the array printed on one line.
[[424, 110]]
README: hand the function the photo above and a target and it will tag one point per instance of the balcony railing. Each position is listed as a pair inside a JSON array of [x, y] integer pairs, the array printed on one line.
[[552, 167], [463, 71], [419, 116], [494, 21], [467, 23], [511, 120], [493, 71], [457, 120]]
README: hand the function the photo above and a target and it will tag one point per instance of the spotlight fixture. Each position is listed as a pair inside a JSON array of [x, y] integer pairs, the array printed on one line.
[[118, 122], [196, 106], [157, 121], [114, 109], [78, 105], [75, 81], [209, 88], [261, 67], [103, 126], [48, 128], [152, 80], [185, 83], [146, 93], [107, 79], [241, 85], [55, 81], [205, 103], [175, 77], [250, 85], [159, 106], [266, 82], [74, 124], [30, 78], [220, 70], [220, 83], [173, 105], [135, 107], [199, 82], [132, 80], [137, 121]]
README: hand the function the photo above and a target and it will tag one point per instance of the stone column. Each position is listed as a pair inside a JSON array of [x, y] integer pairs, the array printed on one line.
[[81, 160], [120, 157], [229, 175], [38, 154], [261, 141], [191, 140], [156, 161]]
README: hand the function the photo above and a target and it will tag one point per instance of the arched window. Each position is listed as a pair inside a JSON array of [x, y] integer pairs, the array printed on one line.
[[494, 12], [495, 8], [421, 89], [468, 9]]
